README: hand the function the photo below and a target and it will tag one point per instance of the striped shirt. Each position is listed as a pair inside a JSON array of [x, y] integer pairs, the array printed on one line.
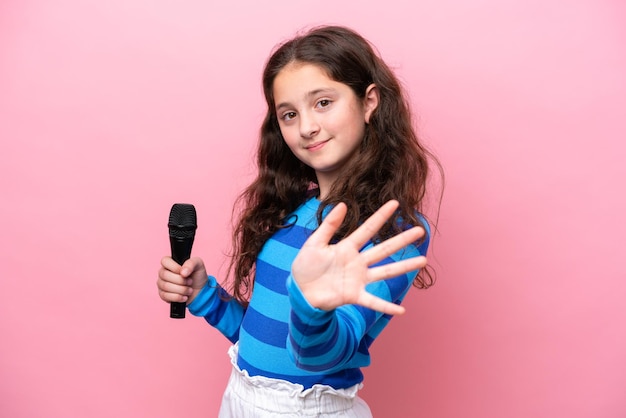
[[280, 335]]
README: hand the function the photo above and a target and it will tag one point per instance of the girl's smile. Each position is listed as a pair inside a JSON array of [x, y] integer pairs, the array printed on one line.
[[316, 146]]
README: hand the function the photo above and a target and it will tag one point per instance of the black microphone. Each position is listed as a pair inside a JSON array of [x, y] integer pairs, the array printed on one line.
[[182, 225]]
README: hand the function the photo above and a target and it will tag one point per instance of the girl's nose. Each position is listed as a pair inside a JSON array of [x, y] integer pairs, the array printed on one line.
[[308, 126]]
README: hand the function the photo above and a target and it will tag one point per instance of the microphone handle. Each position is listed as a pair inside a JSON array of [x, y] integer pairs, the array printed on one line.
[[181, 251]]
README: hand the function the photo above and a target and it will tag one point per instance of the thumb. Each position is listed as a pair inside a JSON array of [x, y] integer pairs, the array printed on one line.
[[191, 265]]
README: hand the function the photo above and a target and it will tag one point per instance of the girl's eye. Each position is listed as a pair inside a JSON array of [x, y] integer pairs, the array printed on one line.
[[288, 116], [323, 103]]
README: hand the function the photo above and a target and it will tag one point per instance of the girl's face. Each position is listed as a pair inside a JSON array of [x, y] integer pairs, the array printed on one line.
[[321, 120]]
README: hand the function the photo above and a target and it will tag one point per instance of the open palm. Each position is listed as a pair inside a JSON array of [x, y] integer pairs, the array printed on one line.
[[331, 275]]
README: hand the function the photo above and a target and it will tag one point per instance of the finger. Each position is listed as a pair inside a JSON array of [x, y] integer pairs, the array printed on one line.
[[377, 304], [372, 224], [187, 268], [191, 265], [392, 245], [330, 224], [172, 297], [395, 269], [173, 288], [168, 263], [168, 276]]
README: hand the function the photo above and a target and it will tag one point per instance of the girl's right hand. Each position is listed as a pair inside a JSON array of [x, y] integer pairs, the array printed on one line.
[[178, 283]]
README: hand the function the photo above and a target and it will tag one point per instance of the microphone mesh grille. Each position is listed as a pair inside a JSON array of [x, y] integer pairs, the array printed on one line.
[[182, 222]]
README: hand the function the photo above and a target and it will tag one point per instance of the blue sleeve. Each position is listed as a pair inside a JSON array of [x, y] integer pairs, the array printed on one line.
[[218, 309], [327, 341]]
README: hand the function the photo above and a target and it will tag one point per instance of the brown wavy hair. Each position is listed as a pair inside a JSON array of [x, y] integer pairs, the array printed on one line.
[[390, 164]]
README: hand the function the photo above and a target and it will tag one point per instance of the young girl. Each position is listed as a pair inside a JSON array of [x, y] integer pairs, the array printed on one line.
[[329, 237]]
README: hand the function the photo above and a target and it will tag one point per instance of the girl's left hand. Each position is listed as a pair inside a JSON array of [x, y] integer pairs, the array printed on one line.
[[333, 275]]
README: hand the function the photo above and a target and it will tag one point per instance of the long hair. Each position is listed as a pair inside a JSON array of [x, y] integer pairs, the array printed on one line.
[[391, 163]]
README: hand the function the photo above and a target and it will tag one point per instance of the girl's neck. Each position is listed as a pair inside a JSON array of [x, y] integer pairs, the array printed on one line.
[[324, 183]]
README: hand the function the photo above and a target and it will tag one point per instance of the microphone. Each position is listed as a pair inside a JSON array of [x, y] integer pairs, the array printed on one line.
[[182, 225]]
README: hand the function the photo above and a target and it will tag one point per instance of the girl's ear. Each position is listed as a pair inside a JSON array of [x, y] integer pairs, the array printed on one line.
[[370, 101]]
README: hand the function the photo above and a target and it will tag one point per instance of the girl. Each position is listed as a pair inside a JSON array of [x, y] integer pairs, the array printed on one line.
[[329, 237]]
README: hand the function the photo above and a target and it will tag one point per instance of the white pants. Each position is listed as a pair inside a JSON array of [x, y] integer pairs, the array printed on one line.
[[263, 397]]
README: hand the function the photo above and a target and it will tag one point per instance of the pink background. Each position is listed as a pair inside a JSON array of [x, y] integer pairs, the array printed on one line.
[[111, 111]]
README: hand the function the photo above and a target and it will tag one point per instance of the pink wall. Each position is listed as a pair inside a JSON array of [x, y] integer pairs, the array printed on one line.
[[112, 111]]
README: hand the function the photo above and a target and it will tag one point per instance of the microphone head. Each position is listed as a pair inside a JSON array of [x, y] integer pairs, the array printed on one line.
[[182, 223]]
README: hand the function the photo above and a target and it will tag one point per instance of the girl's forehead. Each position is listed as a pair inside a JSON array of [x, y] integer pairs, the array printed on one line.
[[300, 80], [305, 68]]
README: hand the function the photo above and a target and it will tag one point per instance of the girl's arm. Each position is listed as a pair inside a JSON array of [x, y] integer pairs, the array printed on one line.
[[204, 296], [219, 309], [338, 294]]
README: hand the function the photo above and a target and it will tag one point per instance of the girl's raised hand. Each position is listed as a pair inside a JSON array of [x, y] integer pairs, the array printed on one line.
[[333, 275]]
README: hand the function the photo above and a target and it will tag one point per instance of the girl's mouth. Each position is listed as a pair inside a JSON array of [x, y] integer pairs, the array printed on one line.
[[316, 146]]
